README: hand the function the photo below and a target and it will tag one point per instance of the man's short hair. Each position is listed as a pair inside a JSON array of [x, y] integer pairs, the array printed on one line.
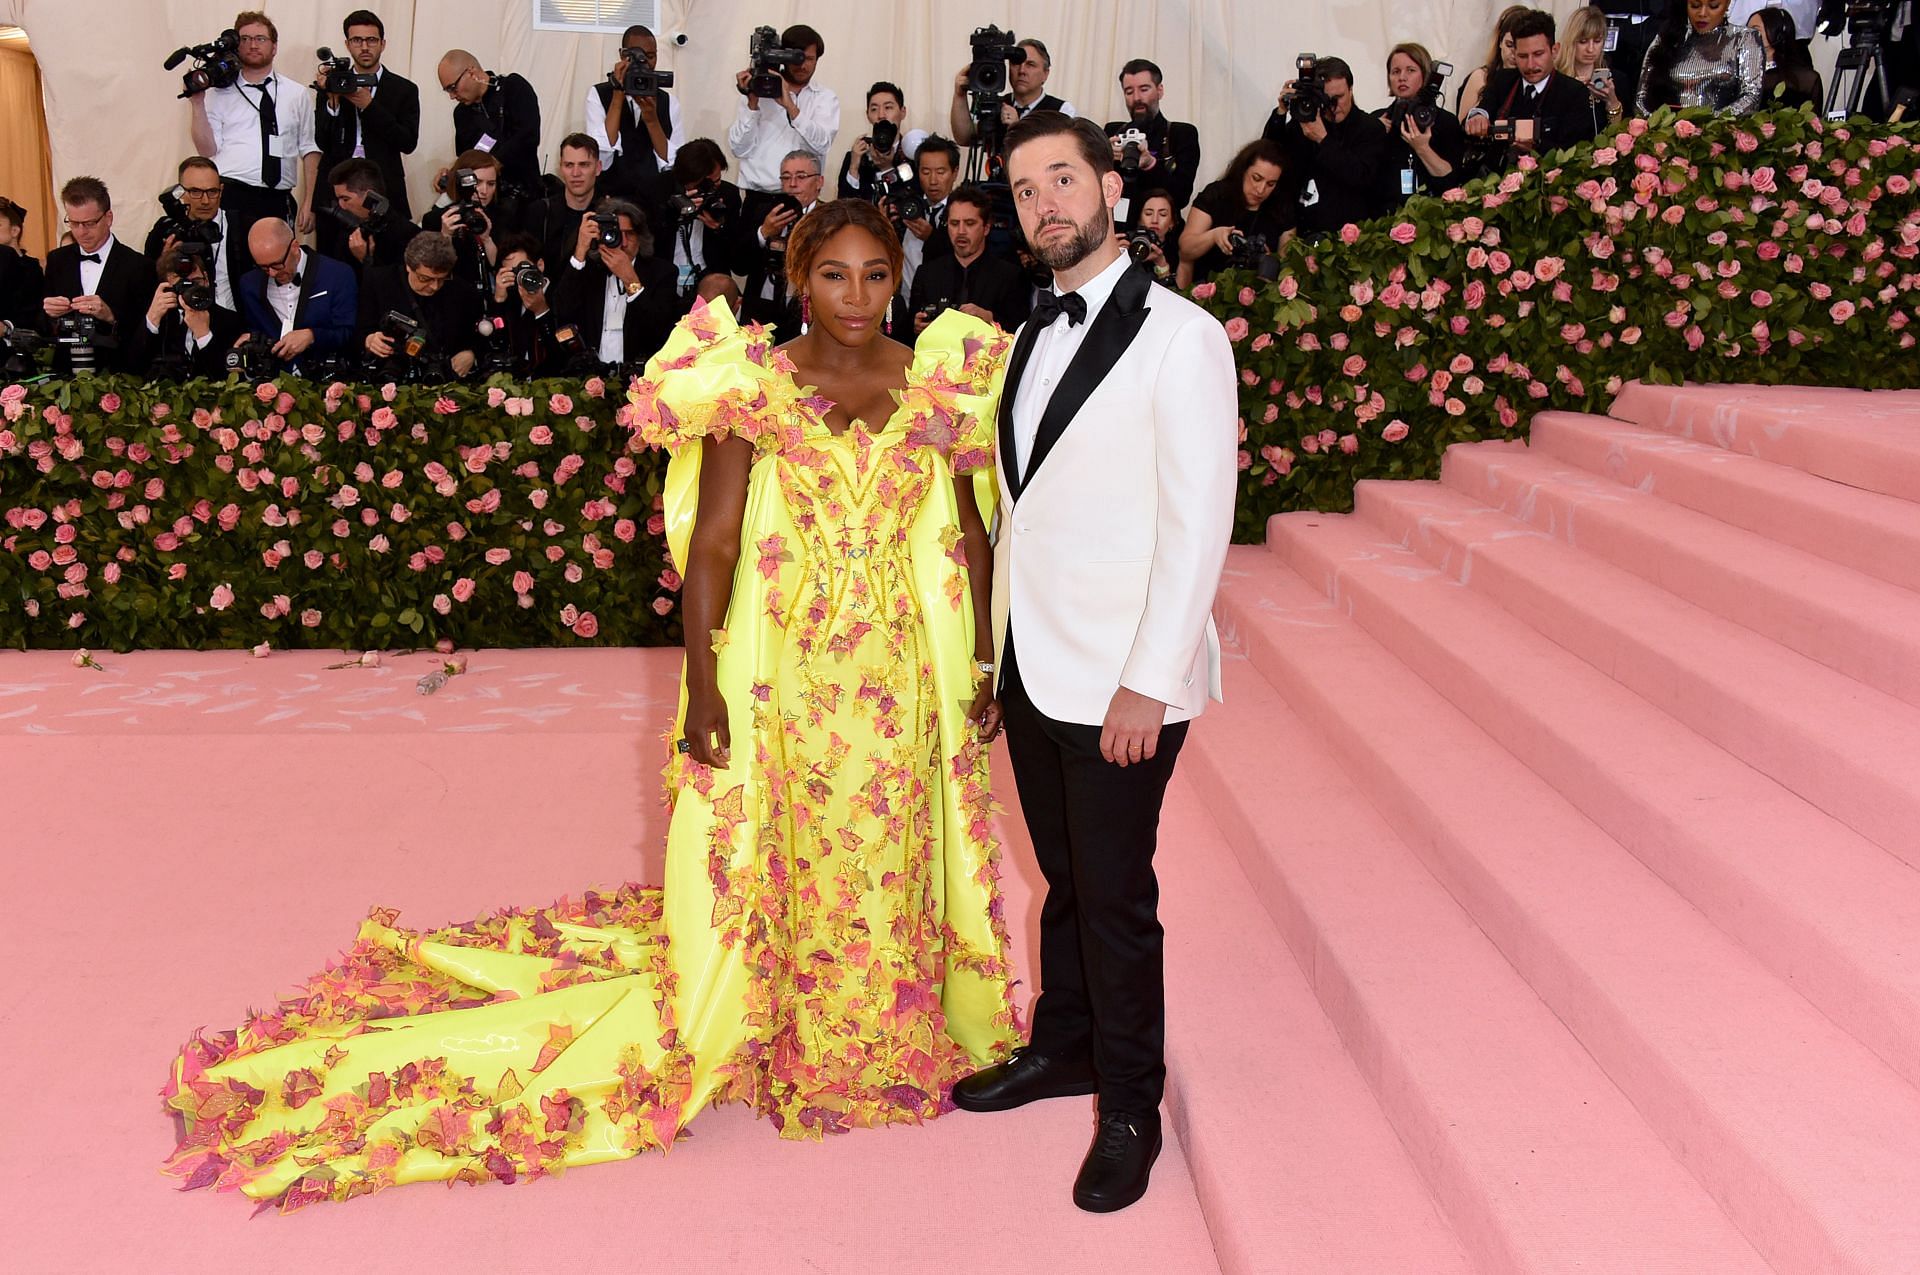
[[581, 142], [10, 211], [636, 29], [517, 241], [1334, 69], [479, 159], [938, 145], [255, 18], [1138, 65], [1532, 23], [179, 263], [803, 37], [1039, 48], [971, 194], [195, 161], [363, 18], [1094, 145], [357, 175], [802, 153], [887, 86], [87, 190], [642, 228], [696, 161], [430, 250]]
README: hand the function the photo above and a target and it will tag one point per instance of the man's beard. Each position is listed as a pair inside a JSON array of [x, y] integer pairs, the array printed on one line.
[[1065, 255]]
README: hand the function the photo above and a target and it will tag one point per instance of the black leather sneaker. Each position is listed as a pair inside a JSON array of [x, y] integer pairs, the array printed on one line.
[[1023, 1078], [1118, 1164]]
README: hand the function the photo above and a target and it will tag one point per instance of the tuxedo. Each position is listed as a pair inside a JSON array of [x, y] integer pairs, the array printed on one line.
[[449, 318], [1562, 109], [1117, 475], [696, 249], [329, 295], [126, 284], [507, 120], [579, 296], [166, 355], [385, 132], [226, 261]]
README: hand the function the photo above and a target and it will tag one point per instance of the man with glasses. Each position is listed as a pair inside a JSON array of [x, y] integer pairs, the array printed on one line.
[[801, 178], [260, 132], [638, 137], [97, 276], [381, 124], [200, 189], [499, 114], [621, 299], [766, 129], [423, 288], [296, 301]]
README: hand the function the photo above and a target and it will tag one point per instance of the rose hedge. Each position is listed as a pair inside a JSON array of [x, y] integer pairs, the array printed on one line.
[[225, 514], [1776, 249]]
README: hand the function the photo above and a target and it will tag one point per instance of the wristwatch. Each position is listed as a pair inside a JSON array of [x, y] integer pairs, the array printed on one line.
[[633, 289]]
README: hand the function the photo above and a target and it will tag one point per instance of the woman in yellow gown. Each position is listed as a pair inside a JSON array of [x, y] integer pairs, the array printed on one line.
[[828, 943]]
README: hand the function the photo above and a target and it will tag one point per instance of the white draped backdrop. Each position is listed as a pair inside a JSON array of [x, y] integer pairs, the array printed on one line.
[[111, 110]]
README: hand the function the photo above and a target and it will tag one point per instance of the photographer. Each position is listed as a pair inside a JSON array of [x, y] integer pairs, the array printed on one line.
[[95, 282], [698, 216], [1335, 153], [520, 315], [638, 136], [1027, 79], [196, 211], [499, 114], [1583, 57], [1154, 241], [766, 129], [619, 297], [555, 219], [470, 212], [764, 245], [23, 284], [1426, 146], [378, 122], [260, 131], [924, 236], [1237, 217], [1530, 108], [1169, 156], [967, 278], [380, 234], [187, 332], [887, 144], [295, 303], [445, 313]]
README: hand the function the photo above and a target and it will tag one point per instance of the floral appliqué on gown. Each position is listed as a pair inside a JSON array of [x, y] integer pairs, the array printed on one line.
[[827, 945]]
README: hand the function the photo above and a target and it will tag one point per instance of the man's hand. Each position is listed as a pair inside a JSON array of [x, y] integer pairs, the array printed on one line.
[[1131, 732], [1477, 125], [380, 345], [649, 110], [740, 82], [921, 229], [1286, 94], [787, 103], [56, 306], [303, 223], [1009, 114], [502, 283], [584, 241], [171, 242], [962, 80], [861, 149], [199, 322], [1314, 130], [1148, 160], [94, 306], [619, 264], [462, 363], [294, 343], [359, 245], [777, 222], [164, 300], [361, 99]]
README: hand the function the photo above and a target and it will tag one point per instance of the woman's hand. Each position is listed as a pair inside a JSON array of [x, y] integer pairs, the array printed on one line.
[[705, 731], [985, 711]]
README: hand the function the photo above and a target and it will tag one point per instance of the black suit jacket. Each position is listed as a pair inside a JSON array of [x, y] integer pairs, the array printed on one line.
[[126, 285], [165, 355], [451, 316], [993, 283], [390, 126], [579, 297], [719, 249], [510, 115], [1563, 115], [1344, 172], [1176, 154], [233, 246], [22, 285]]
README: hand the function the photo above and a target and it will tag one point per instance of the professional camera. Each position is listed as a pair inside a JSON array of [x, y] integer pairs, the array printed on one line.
[[193, 294], [1133, 144], [993, 51], [496, 354], [884, 137], [1253, 252], [408, 336], [187, 233], [769, 59], [84, 336], [1142, 242], [19, 351], [637, 79], [705, 198], [255, 360], [379, 213], [1423, 107], [459, 185], [1309, 100], [900, 191], [215, 65], [527, 277], [338, 75], [607, 233], [933, 309]]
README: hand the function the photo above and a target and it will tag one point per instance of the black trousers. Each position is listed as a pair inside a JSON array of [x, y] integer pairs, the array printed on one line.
[[248, 204], [1095, 826]]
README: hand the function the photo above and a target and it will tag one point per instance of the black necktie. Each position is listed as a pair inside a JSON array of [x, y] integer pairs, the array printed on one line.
[[1050, 307], [269, 125], [94, 257]]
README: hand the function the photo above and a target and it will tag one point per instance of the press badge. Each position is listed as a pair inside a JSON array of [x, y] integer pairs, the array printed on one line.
[[1311, 195], [485, 143], [1406, 181]]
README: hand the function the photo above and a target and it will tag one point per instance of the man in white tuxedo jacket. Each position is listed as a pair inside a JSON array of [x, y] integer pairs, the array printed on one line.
[[1118, 441]]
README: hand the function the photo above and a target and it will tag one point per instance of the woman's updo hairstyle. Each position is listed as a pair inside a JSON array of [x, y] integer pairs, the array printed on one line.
[[823, 223]]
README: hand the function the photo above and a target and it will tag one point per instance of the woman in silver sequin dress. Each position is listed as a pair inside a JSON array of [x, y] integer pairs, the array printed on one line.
[[1701, 59]]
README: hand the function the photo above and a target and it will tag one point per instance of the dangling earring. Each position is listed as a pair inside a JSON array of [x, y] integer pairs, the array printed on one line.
[[887, 326], [806, 310]]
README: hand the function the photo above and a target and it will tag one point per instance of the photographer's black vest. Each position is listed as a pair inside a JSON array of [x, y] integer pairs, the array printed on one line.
[[637, 162], [1047, 102]]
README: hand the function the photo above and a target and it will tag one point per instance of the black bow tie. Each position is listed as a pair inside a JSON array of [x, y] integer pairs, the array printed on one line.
[[94, 257], [1050, 307]]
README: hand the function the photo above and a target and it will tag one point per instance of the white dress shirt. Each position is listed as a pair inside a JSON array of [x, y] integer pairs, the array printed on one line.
[[761, 139], [234, 114], [284, 298], [90, 271], [1051, 355], [1066, 107], [596, 127], [217, 264], [913, 248], [613, 315]]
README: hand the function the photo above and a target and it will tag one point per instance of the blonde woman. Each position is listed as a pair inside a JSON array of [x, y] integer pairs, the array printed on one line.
[[1583, 57]]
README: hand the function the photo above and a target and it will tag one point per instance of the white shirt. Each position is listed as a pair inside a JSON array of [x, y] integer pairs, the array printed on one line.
[[217, 263], [1051, 355], [90, 271], [1066, 107], [234, 115], [914, 249], [689, 251], [1805, 13], [761, 139], [596, 127], [284, 298], [613, 316]]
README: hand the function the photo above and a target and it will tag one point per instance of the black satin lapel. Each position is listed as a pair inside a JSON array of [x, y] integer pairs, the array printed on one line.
[[1009, 387], [1113, 331]]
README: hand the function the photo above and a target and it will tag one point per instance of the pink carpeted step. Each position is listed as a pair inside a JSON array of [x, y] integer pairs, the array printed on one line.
[[1856, 625], [1801, 1134], [1845, 747], [1540, 1161], [1865, 438], [1876, 534]]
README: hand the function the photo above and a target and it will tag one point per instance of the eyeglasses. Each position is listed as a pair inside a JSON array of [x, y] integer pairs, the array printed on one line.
[[201, 192], [796, 178], [88, 223], [450, 89], [255, 39], [365, 41]]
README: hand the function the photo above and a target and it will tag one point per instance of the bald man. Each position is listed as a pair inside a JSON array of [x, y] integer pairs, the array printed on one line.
[[297, 301], [499, 114]]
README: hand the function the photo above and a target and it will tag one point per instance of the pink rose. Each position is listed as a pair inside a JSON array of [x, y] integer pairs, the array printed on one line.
[[560, 405], [1395, 431], [463, 589], [586, 626], [109, 402], [496, 396], [498, 557], [540, 435], [442, 603], [595, 387], [522, 582], [1246, 296], [662, 606], [1201, 292], [1841, 311], [1236, 329], [1354, 366], [1404, 233], [1349, 234], [222, 597]]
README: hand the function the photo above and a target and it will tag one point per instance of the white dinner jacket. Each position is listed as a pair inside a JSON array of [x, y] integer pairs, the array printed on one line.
[[1108, 548]]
